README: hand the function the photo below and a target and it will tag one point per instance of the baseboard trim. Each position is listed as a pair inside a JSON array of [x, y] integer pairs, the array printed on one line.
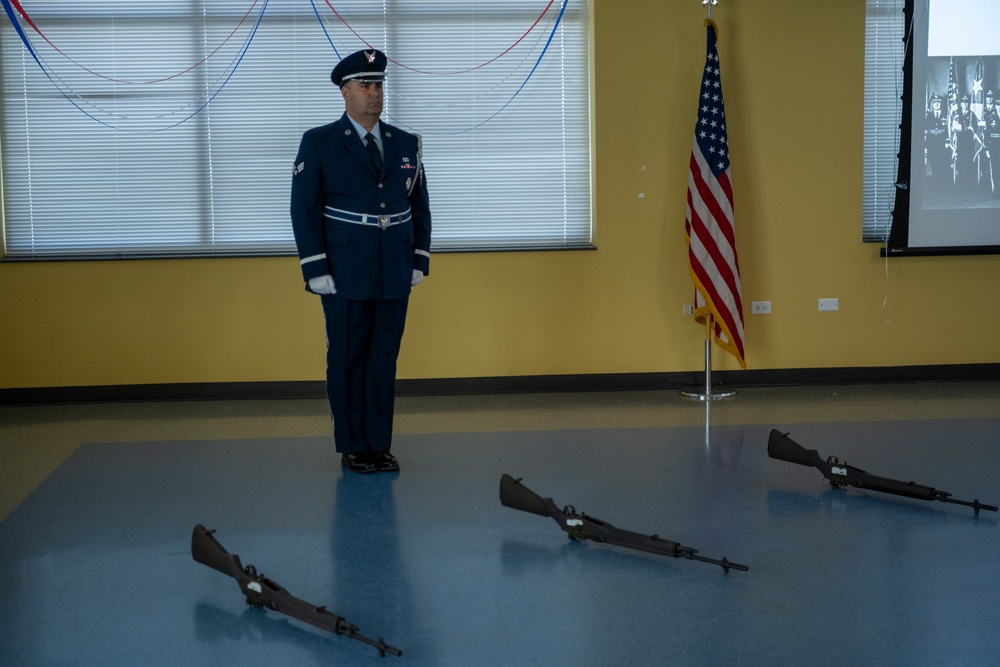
[[195, 391]]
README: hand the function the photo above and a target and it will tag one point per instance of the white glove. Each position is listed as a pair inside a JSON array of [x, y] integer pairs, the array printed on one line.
[[418, 276], [322, 285]]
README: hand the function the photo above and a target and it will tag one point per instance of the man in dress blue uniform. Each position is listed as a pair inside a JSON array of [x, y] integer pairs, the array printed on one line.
[[992, 139], [937, 149], [362, 224], [967, 143]]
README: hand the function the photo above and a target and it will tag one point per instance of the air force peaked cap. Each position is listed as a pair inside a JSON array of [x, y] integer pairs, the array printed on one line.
[[365, 65]]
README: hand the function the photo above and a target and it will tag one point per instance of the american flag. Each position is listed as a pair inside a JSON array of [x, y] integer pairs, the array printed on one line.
[[952, 114], [711, 234]]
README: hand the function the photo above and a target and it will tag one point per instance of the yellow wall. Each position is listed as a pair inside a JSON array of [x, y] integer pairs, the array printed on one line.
[[793, 80]]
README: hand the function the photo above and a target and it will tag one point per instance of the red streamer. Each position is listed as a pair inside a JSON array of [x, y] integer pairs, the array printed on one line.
[[413, 69], [17, 5]]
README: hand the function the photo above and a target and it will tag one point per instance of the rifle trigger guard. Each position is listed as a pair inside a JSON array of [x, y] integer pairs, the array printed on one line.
[[569, 509], [832, 460]]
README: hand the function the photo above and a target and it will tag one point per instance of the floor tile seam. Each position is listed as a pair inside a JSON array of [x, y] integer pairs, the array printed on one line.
[[568, 425]]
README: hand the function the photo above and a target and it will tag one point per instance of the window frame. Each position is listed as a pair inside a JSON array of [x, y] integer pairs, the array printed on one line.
[[883, 90], [467, 218]]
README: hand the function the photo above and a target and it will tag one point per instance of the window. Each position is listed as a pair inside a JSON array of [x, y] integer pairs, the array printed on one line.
[[138, 129], [883, 111]]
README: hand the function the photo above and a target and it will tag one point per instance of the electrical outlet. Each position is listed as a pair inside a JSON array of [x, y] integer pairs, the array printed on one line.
[[760, 307], [829, 304], [688, 309]]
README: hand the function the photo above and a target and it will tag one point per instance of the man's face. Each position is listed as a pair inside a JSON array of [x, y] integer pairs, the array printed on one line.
[[363, 101]]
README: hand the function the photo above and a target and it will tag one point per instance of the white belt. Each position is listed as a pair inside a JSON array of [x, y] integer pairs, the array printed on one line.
[[380, 221]]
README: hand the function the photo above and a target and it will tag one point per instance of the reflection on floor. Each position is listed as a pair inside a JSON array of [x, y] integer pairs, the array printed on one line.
[[98, 570]]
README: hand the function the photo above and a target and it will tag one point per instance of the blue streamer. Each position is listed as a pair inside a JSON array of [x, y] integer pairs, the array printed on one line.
[[239, 60], [11, 14], [548, 43], [562, 10], [319, 19], [24, 38], [27, 44]]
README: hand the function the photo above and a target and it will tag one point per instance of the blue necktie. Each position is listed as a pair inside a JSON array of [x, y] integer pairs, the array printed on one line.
[[373, 152]]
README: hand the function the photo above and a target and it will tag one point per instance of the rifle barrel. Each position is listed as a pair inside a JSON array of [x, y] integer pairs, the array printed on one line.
[[379, 644], [975, 504], [725, 563], [600, 531]]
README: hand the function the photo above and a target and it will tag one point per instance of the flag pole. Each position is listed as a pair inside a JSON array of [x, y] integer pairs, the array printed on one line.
[[708, 394]]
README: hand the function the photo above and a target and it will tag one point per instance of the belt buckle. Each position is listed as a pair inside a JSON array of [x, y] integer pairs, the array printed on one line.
[[383, 222]]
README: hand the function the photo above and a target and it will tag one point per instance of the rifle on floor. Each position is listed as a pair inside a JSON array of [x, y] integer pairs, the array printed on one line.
[[780, 446], [580, 526], [263, 592]]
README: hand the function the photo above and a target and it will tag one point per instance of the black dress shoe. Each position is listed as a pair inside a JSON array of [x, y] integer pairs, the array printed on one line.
[[360, 463], [385, 462]]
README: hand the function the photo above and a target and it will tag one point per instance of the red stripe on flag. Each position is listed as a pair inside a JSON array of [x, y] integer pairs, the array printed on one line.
[[722, 262], [703, 230], [719, 288]]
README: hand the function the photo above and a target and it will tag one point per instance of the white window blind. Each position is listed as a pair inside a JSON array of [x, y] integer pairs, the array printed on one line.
[[884, 47], [170, 128]]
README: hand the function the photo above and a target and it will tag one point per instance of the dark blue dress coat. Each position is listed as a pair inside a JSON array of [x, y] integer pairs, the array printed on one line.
[[333, 169]]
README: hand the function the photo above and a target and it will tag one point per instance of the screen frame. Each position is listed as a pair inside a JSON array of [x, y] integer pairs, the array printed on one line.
[[898, 242]]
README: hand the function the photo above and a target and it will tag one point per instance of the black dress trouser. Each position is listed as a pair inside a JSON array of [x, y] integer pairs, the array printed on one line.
[[363, 340]]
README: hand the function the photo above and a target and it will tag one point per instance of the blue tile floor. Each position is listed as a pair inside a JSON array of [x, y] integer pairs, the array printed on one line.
[[97, 567]]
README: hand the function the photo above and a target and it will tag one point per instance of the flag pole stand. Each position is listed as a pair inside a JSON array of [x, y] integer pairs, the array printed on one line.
[[707, 394]]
